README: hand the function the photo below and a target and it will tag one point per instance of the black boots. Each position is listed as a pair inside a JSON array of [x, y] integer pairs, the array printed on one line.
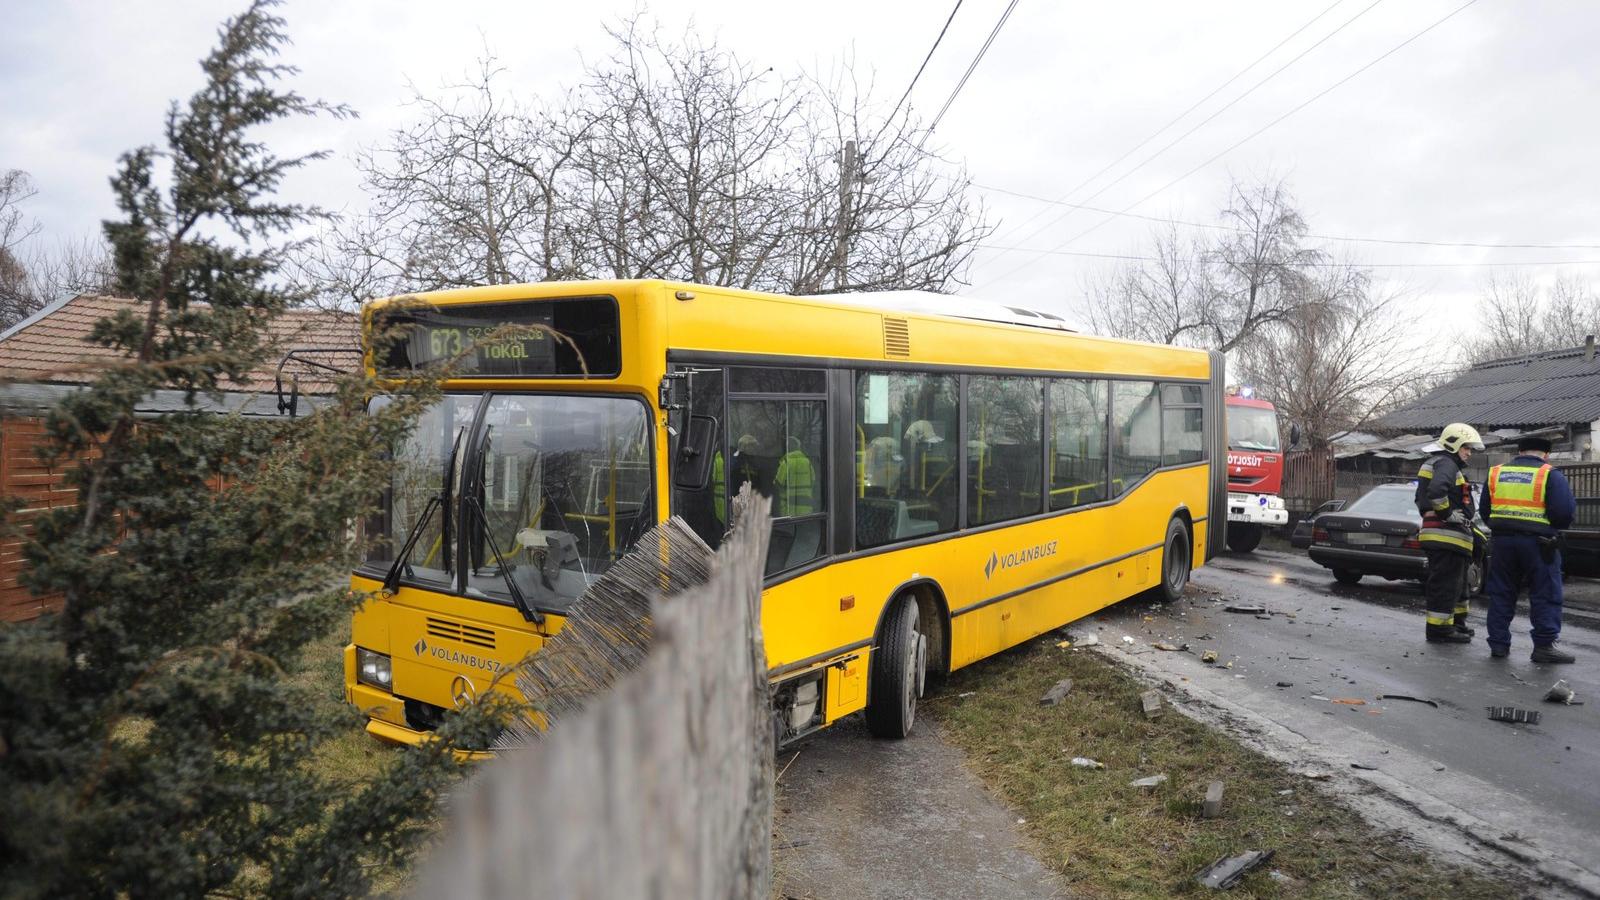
[[1462, 626], [1551, 655], [1499, 652], [1447, 634]]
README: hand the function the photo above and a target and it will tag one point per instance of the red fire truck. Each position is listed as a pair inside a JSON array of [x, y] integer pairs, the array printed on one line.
[[1255, 470]]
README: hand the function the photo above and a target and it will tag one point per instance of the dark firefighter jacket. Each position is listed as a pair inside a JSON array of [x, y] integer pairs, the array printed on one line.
[[1559, 504], [1442, 490]]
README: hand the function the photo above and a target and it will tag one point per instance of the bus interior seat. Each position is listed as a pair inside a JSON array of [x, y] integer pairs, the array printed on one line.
[[881, 520]]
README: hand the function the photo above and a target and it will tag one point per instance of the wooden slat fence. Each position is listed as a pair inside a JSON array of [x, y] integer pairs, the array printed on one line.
[[25, 477], [660, 787]]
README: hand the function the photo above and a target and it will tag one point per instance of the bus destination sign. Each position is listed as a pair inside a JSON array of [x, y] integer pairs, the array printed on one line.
[[517, 339]]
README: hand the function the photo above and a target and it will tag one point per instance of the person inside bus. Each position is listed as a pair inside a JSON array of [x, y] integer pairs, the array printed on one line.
[[751, 465], [796, 483]]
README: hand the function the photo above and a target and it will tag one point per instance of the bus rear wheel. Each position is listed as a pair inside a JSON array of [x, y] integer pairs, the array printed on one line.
[[1175, 558], [899, 672]]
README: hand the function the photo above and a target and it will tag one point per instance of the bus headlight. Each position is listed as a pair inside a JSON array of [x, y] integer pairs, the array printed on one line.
[[373, 668]]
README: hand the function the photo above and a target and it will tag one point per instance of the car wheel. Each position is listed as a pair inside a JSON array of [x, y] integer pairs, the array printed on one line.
[[1346, 576], [1475, 578]]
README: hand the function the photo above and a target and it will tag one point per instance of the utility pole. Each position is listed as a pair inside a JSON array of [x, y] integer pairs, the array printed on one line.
[[847, 178]]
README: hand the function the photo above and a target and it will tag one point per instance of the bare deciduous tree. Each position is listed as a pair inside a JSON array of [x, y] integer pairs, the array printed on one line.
[[1216, 292], [1338, 360], [17, 296], [1518, 316], [669, 160]]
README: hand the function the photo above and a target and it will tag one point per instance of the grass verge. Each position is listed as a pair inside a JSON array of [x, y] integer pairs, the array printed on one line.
[[1108, 839], [352, 758]]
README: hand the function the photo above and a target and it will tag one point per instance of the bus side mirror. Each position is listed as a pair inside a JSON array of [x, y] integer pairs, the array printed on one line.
[[1294, 436], [692, 468]]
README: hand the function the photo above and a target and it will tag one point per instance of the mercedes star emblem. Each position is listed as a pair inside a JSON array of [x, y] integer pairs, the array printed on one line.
[[461, 691]]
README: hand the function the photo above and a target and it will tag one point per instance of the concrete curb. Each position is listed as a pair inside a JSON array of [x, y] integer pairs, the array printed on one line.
[[1445, 827]]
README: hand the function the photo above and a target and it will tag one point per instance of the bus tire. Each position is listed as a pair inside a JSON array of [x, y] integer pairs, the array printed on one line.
[[1176, 561], [898, 672], [1244, 538]]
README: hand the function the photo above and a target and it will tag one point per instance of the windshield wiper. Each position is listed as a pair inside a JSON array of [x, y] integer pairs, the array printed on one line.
[[391, 578], [528, 612]]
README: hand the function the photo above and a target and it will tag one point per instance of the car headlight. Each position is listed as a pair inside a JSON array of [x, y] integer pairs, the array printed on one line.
[[373, 668]]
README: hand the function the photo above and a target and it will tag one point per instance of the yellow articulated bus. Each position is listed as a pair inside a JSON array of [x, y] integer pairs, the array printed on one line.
[[947, 480]]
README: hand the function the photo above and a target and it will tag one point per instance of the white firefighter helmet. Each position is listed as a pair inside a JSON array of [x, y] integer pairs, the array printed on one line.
[[1459, 434]]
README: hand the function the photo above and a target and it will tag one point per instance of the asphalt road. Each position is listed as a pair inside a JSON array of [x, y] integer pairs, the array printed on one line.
[[1320, 642]]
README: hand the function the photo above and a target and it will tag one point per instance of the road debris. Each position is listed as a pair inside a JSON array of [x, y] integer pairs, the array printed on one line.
[[1151, 702], [1316, 776], [1285, 792], [1432, 703], [1285, 880], [1152, 781], [1057, 693], [1128, 639], [1084, 762], [1212, 807], [1513, 715], [1208, 657], [1268, 618], [1090, 641], [1064, 645], [1561, 692], [1246, 609], [1285, 684], [1226, 872], [1349, 701], [1364, 767], [1171, 648]]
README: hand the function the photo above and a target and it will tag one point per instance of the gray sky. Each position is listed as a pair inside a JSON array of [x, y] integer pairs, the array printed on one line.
[[1481, 130]]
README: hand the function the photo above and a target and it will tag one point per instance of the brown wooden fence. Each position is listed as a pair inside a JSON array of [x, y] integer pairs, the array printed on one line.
[[24, 477]]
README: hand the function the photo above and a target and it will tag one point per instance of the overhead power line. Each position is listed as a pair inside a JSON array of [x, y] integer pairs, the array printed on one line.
[[1469, 245], [1249, 137], [973, 66], [1196, 105], [1135, 257], [901, 102]]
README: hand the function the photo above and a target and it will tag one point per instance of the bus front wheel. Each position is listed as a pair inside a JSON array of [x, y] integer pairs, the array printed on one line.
[[898, 673]]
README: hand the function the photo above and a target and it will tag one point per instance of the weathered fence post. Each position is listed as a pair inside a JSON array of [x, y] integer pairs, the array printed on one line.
[[660, 785]]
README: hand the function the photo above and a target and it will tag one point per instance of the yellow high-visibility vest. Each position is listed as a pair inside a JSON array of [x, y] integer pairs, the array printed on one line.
[[1516, 494], [797, 484]]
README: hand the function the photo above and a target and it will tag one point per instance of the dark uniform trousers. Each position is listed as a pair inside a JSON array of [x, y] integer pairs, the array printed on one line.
[[1515, 563], [1446, 588]]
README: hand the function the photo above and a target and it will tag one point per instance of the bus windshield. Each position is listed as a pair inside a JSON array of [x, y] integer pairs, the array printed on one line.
[[560, 489], [1252, 428], [547, 491]]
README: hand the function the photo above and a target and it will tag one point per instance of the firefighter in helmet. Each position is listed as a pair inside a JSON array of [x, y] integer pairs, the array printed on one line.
[[1445, 500]]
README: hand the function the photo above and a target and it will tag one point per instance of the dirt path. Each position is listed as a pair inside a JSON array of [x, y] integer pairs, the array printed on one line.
[[860, 817]]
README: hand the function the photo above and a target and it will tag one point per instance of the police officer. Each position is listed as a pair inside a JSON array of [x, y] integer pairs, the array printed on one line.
[[1445, 500], [1527, 503]]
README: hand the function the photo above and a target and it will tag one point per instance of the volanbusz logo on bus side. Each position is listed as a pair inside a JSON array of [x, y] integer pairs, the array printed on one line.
[[1018, 557], [445, 654]]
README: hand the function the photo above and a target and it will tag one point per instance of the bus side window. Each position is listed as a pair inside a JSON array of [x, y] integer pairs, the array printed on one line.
[[779, 446], [1077, 442], [906, 481], [1135, 433]]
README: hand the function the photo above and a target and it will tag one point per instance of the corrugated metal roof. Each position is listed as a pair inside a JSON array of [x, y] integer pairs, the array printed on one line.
[[1556, 388]]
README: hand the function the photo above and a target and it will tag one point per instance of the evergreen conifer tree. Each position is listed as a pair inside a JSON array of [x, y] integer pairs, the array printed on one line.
[[153, 738]]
